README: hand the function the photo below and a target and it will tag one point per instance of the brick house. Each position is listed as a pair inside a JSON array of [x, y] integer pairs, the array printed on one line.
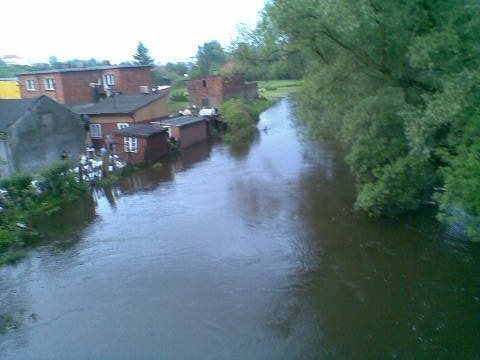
[[212, 91], [187, 130], [82, 85], [35, 133], [140, 143], [121, 111]]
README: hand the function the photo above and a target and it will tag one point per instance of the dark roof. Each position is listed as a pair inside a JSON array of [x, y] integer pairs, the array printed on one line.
[[93, 68], [141, 130], [182, 120], [119, 104], [12, 109]]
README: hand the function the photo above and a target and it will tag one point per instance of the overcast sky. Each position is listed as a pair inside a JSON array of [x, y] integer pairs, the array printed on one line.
[[110, 30]]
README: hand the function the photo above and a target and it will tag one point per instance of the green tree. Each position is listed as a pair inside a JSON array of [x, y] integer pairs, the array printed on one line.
[[397, 84], [210, 58], [142, 56]]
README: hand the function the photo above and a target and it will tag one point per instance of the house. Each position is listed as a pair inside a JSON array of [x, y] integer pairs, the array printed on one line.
[[140, 143], [81, 85], [187, 130], [120, 111], [35, 133], [212, 91], [9, 88]]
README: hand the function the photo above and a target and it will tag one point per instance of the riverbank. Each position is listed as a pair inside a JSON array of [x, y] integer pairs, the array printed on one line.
[[253, 254], [28, 202]]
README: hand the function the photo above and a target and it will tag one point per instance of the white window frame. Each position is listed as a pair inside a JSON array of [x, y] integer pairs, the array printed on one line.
[[109, 79], [50, 84], [130, 144], [96, 131], [98, 81], [122, 125], [30, 85]]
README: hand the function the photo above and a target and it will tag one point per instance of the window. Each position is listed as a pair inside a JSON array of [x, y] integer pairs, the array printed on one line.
[[204, 83], [31, 85], [122, 125], [130, 144], [96, 131], [98, 81], [50, 84], [109, 79]]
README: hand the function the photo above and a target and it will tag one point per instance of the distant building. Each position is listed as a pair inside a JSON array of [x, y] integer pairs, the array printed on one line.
[[35, 133], [82, 85], [212, 91], [121, 111], [9, 88]]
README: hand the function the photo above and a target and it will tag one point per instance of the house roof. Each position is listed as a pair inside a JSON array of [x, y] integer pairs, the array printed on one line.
[[12, 109], [93, 68], [119, 104], [181, 121], [141, 130]]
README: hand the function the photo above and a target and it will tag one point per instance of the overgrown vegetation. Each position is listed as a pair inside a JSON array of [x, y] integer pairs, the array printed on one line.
[[240, 124], [26, 203], [241, 118], [398, 84]]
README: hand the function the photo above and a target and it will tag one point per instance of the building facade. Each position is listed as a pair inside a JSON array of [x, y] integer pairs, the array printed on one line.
[[187, 130], [83, 85], [36, 133], [212, 91], [140, 143], [122, 111]]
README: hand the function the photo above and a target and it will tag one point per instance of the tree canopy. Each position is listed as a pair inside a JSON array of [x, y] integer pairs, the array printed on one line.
[[397, 82], [142, 56], [210, 58]]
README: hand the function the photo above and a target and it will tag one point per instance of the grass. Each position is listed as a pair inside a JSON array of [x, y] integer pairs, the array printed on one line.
[[275, 89]]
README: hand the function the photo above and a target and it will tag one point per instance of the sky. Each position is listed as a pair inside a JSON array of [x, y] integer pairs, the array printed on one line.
[[110, 30]]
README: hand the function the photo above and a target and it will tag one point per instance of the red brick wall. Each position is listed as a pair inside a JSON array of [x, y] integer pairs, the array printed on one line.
[[213, 91], [150, 149], [217, 90], [130, 79], [74, 87], [40, 86], [157, 147], [191, 134]]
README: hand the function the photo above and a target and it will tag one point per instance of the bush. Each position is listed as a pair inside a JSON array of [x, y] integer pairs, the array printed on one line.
[[240, 125], [178, 96]]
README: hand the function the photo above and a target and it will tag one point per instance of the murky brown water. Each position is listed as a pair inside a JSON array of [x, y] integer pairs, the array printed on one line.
[[249, 253]]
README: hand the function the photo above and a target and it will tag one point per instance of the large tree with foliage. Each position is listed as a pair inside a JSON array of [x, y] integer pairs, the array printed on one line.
[[142, 56], [210, 58], [398, 83]]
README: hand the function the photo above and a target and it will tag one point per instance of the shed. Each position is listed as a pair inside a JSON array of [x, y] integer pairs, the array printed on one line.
[[140, 143], [34, 133], [187, 130], [121, 111]]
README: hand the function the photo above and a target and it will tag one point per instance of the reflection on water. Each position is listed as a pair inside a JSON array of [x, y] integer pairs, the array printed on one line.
[[253, 254]]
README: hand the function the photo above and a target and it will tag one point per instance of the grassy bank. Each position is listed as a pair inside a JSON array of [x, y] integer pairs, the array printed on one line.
[[277, 89]]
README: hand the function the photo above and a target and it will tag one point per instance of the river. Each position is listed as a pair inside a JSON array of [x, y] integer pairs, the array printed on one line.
[[250, 253]]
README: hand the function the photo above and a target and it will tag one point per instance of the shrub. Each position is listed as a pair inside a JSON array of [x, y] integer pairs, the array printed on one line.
[[240, 125]]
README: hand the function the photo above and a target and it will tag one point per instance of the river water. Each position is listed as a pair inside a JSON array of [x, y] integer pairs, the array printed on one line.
[[250, 253]]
